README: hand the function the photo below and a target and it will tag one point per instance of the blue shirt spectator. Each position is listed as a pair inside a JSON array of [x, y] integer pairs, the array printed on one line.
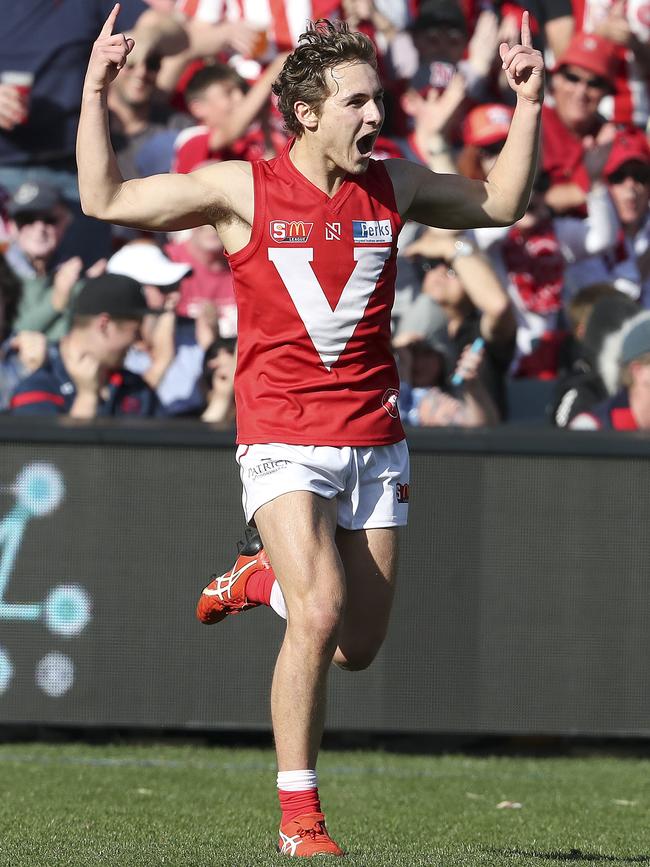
[[84, 376]]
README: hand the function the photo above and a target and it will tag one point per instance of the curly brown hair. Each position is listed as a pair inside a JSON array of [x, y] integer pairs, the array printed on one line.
[[322, 46]]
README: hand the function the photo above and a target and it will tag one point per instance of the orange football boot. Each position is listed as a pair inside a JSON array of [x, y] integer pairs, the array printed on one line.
[[306, 836], [226, 594]]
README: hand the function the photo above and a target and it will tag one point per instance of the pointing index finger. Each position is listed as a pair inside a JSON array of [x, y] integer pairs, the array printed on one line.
[[525, 30], [107, 29]]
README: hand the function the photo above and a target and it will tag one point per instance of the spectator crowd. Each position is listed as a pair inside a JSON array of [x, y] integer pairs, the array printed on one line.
[[547, 320]]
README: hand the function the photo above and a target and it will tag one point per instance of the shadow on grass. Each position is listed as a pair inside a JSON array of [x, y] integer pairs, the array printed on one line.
[[575, 855]]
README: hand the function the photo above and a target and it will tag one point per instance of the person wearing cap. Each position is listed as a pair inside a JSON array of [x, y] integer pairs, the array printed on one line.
[[39, 219], [627, 172], [625, 261], [589, 373], [484, 131], [629, 408], [171, 353], [84, 376], [436, 47], [574, 135], [627, 24]]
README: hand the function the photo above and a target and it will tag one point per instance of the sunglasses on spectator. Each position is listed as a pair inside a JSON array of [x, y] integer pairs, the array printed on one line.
[[640, 174], [492, 150], [151, 62], [28, 217], [436, 262], [596, 82]]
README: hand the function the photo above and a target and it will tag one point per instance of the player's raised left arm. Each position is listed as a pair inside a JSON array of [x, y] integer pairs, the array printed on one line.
[[455, 202]]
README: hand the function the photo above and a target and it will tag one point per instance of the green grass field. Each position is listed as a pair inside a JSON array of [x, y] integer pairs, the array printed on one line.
[[201, 806]]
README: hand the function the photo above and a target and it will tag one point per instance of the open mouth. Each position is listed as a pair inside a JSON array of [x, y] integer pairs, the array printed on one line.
[[365, 144]]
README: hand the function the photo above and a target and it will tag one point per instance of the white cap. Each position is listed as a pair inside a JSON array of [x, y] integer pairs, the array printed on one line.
[[146, 263]]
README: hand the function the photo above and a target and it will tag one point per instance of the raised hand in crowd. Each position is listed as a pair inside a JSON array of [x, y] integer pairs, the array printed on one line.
[[483, 45], [207, 40], [160, 345], [219, 379], [615, 25], [12, 107], [509, 30], [207, 325], [597, 150], [85, 372], [65, 278], [96, 268], [357, 12], [31, 347], [433, 117]]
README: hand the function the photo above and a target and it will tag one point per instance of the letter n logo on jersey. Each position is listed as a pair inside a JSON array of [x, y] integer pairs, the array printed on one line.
[[291, 231]]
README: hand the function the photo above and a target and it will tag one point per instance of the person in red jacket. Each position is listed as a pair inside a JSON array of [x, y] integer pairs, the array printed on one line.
[[575, 137]]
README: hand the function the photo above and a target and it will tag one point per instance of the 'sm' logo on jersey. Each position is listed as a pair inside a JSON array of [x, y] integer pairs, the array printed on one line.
[[290, 231], [329, 330]]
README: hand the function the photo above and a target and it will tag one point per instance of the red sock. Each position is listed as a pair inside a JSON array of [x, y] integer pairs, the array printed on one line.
[[258, 586], [298, 803]]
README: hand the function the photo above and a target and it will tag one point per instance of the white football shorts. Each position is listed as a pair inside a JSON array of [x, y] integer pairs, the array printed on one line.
[[370, 483]]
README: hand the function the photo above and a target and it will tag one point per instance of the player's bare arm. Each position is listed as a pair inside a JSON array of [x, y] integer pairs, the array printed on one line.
[[219, 195], [455, 202]]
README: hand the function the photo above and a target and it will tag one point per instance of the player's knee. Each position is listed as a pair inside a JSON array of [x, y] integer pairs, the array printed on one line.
[[318, 620], [356, 658]]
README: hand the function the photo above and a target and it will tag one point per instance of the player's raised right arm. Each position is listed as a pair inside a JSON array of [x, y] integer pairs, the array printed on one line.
[[160, 202]]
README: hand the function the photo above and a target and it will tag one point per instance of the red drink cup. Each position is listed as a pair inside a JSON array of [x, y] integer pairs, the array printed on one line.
[[22, 82], [260, 46]]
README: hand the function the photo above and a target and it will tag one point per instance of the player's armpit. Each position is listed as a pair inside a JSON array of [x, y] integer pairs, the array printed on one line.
[[169, 202], [445, 201]]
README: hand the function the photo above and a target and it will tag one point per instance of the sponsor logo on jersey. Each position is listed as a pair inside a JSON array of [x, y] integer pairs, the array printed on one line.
[[372, 231], [332, 231], [290, 231], [265, 467], [389, 402], [402, 492]]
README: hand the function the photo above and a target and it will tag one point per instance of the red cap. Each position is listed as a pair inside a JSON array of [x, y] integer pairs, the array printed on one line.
[[487, 124], [628, 145], [591, 52]]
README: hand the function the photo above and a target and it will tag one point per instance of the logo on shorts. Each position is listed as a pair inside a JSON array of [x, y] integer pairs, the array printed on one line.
[[265, 467], [290, 231], [389, 402], [372, 231], [402, 493]]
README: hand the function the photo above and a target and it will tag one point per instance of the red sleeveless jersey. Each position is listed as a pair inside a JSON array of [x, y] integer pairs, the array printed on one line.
[[315, 287]]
